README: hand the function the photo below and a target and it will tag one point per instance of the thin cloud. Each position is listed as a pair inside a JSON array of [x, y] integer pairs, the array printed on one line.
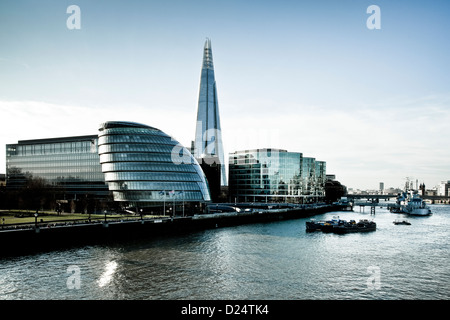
[[10, 62]]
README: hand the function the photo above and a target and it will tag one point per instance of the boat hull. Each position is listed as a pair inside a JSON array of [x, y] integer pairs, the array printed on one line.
[[419, 212], [343, 229], [313, 226], [341, 226], [322, 225], [402, 222], [411, 204]]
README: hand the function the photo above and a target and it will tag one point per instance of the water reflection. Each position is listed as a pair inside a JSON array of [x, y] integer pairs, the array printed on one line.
[[108, 274]]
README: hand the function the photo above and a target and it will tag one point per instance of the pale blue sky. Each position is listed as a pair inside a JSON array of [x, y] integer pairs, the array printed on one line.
[[306, 76]]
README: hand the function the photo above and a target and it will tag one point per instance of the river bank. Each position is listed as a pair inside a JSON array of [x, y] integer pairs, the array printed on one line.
[[50, 236]]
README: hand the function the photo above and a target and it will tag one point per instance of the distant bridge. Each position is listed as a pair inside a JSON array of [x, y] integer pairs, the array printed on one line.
[[385, 197], [436, 198], [371, 196]]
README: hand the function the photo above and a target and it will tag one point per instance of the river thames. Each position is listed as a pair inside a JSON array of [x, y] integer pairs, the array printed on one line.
[[262, 261]]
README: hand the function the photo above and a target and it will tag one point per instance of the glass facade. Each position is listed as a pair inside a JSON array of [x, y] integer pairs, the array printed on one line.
[[70, 164], [275, 175], [133, 162], [321, 178], [208, 135], [143, 164]]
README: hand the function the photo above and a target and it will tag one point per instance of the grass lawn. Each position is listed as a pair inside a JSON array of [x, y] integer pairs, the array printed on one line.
[[11, 216]]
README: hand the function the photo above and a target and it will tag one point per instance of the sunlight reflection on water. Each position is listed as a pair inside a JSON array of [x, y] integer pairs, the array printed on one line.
[[108, 274]]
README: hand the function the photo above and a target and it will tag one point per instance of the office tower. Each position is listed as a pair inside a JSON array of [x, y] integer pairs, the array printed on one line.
[[208, 148], [275, 175]]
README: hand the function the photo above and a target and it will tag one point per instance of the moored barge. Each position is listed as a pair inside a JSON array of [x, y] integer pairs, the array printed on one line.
[[339, 226]]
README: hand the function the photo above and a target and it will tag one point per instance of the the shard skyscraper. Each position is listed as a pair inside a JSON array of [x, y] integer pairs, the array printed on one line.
[[208, 148]]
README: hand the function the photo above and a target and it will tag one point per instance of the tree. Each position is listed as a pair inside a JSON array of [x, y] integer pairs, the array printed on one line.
[[334, 190], [26, 191], [36, 193]]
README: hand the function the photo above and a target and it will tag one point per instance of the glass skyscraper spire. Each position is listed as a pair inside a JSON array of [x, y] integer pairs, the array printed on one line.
[[208, 146]]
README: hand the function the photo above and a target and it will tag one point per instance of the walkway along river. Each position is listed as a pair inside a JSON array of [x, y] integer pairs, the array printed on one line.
[[43, 237]]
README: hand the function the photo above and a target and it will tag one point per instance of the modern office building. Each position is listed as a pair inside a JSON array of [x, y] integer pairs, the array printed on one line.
[[208, 147], [321, 178], [144, 166], [270, 175], [69, 164]]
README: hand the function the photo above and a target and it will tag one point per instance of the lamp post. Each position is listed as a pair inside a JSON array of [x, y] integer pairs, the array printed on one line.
[[183, 202], [35, 219]]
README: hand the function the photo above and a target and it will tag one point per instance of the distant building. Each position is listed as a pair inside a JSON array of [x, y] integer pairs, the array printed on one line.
[[422, 189], [392, 191], [442, 188], [274, 175], [381, 187]]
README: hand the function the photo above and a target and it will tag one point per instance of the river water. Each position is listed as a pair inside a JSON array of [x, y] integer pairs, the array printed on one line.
[[276, 261]]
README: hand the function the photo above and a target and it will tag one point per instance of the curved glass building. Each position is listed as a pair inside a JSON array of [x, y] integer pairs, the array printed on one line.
[[143, 165]]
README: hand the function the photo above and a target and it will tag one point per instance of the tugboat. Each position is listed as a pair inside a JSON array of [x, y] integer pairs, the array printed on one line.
[[352, 226], [405, 222]]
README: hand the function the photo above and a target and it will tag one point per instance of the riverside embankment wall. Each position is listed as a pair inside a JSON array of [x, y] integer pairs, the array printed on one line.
[[44, 237]]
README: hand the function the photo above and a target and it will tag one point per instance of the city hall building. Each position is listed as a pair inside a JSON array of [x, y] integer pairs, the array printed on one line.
[[143, 164], [135, 164], [275, 175]]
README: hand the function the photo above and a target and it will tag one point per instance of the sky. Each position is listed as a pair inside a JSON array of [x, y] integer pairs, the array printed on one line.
[[304, 76]]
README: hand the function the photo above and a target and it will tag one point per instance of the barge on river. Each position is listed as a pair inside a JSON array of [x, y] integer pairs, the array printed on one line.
[[336, 225]]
